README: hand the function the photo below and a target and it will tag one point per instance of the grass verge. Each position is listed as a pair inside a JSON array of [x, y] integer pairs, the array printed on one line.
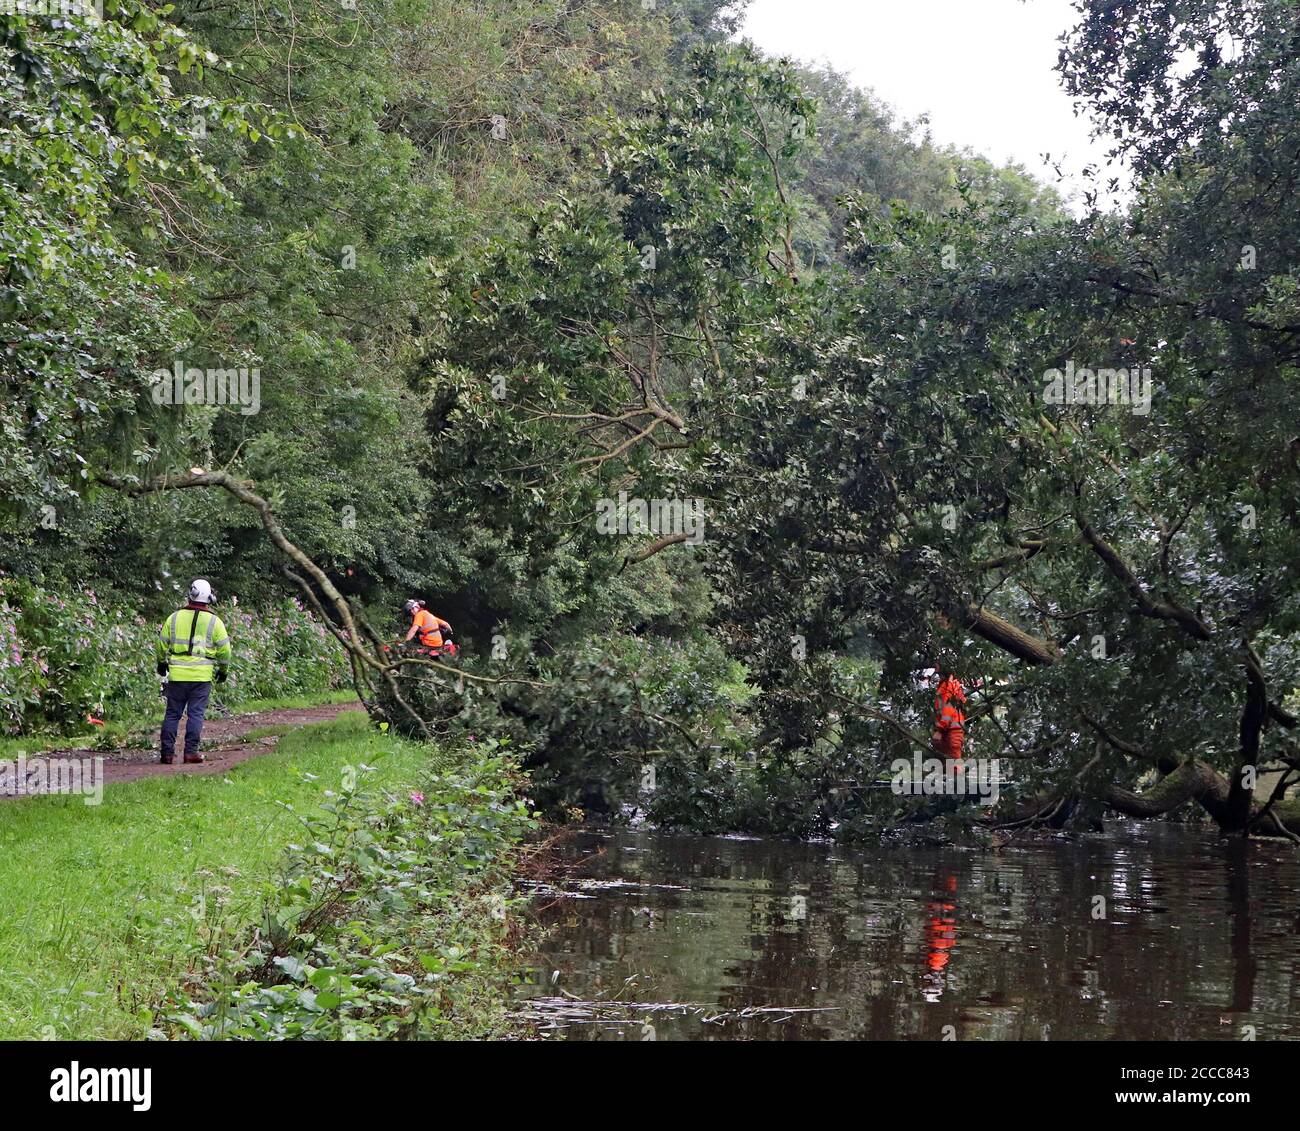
[[120, 914]]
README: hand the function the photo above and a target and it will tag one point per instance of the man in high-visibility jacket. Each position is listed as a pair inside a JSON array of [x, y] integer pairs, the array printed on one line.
[[193, 647], [949, 719], [431, 629]]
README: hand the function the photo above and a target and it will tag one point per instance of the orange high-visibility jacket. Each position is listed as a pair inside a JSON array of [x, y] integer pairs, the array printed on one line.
[[948, 702], [430, 628]]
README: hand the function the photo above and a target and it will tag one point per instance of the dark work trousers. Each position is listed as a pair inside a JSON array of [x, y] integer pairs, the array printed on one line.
[[191, 700]]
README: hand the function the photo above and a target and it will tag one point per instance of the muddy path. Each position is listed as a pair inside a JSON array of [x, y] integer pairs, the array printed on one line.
[[225, 744]]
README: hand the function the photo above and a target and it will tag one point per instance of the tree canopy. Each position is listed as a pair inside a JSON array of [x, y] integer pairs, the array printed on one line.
[[515, 277]]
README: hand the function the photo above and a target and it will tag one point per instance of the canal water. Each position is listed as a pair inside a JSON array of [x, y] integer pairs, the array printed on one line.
[[1145, 931]]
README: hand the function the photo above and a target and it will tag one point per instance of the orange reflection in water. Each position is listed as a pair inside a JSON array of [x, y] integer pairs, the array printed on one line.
[[940, 935]]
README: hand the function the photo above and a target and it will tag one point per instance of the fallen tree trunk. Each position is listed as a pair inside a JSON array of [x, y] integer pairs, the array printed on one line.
[[1191, 781], [999, 631], [1231, 804]]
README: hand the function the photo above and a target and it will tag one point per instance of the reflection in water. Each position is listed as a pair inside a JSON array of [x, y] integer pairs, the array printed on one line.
[[940, 935], [669, 937]]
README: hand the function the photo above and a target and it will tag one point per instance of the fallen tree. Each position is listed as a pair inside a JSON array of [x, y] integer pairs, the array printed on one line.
[[1229, 803], [1060, 448]]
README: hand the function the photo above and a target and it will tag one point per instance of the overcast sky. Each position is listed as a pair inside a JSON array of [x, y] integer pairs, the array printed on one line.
[[982, 70]]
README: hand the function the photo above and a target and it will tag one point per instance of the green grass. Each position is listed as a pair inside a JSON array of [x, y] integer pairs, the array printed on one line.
[[289, 702], [98, 900]]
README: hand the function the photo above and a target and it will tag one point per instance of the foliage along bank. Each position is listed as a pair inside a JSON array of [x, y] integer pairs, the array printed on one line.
[[390, 917], [68, 657]]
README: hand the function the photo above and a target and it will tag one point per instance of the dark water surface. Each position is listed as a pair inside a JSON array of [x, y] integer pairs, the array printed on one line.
[[652, 936]]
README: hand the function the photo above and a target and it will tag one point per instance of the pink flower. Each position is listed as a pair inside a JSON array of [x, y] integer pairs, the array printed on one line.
[[417, 798]]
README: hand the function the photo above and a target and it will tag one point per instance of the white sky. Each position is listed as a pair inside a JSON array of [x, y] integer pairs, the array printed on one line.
[[982, 70]]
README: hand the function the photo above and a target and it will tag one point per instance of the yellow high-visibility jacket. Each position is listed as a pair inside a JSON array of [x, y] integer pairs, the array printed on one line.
[[193, 642]]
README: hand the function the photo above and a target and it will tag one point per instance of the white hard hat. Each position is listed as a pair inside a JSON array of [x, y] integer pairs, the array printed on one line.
[[201, 592]]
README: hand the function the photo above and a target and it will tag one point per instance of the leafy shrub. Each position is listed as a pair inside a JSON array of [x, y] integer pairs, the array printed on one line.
[[389, 921], [673, 732], [600, 713], [64, 657]]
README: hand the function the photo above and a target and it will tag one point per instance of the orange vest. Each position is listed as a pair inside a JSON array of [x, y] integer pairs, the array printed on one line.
[[430, 634], [948, 701]]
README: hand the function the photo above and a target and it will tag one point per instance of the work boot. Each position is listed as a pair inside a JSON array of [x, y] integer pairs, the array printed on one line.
[[167, 759], [193, 759]]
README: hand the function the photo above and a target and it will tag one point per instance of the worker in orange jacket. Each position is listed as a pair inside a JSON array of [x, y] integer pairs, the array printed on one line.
[[430, 629], [949, 718]]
